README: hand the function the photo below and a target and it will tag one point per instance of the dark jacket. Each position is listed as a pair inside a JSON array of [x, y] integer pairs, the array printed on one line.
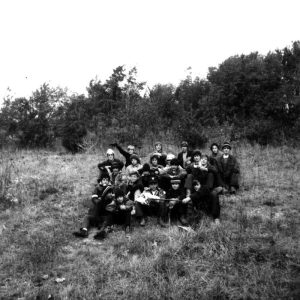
[[126, 154], [132, 188], [180, 157], [228, 172], [175, 194], [206, 178]]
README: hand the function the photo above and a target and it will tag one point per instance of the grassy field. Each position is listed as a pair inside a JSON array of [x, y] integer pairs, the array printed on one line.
[[254, 254]]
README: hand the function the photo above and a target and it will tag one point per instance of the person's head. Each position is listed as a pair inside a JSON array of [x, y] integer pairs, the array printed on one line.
[[204, 160], [184, 146], [196, 185], [124, 179], [153, 183], [134, 159], [174, 165], [226, 148], [214, 148], [146, 169], [154, 160], [134, 176], [104, 179], [110, 154], [110, 193], [170, 156], [115, 167], [130, 149], [158, 146], [119, 195], [175, 183], [196, 155]]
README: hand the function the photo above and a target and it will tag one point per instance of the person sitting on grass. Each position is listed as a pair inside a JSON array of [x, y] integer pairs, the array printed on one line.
[[204, 200], [134, 188], [119, 212], [215, 154], [127, 154], [135, 164], [97, 214], [155, 167], [201, 170], [184, 157], [228, 170], [161, 156], [177, 209], [151, 202], [105, 166]]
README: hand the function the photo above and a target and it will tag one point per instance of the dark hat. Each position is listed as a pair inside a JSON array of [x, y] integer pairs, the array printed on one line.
[[119, 193], [153, 180], [214, 144], [145, 168], [174, 162], [226, 145], [184, 144], [135, 156], [175, 180]]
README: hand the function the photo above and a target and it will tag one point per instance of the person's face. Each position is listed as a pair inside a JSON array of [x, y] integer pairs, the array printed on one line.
[[134, 162], [154, 162], [197, 187], [153, 186], [104, 181], [204, 161], [168, 162], [120, 199], [184, 149], [110, 156], [197, 158], [226, 150], [175, 186], [158, 147], [215, 149], [130, 149], [124, 178], [133, 178]]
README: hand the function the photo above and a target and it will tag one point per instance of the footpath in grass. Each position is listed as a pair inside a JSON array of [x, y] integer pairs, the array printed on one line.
[[254, 254]]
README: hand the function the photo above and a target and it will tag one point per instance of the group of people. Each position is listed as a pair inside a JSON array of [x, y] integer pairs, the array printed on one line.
[[171, 188]]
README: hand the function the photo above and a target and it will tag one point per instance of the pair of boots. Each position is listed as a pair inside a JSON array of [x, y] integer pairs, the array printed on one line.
[[160, 222]]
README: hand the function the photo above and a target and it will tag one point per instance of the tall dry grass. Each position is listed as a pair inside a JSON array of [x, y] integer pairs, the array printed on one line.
[[254, 254]]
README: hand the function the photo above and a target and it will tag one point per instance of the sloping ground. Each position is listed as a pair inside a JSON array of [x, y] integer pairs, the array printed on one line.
[[254, 254]]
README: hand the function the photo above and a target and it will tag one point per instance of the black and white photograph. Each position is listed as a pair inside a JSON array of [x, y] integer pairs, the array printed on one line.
[[149, 150]]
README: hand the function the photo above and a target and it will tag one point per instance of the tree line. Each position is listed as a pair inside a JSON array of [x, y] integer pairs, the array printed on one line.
[[253, 97]]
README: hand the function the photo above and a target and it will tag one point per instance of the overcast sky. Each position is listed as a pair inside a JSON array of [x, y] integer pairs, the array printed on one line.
[[68, 43]]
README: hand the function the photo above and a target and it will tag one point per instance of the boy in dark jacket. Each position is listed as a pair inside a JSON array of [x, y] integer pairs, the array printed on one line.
[[127, 154], [178, 209], [200, 170], [103, 194], [228, 170], [105, 166], [119, 210], [185, 156], [203, 199]]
